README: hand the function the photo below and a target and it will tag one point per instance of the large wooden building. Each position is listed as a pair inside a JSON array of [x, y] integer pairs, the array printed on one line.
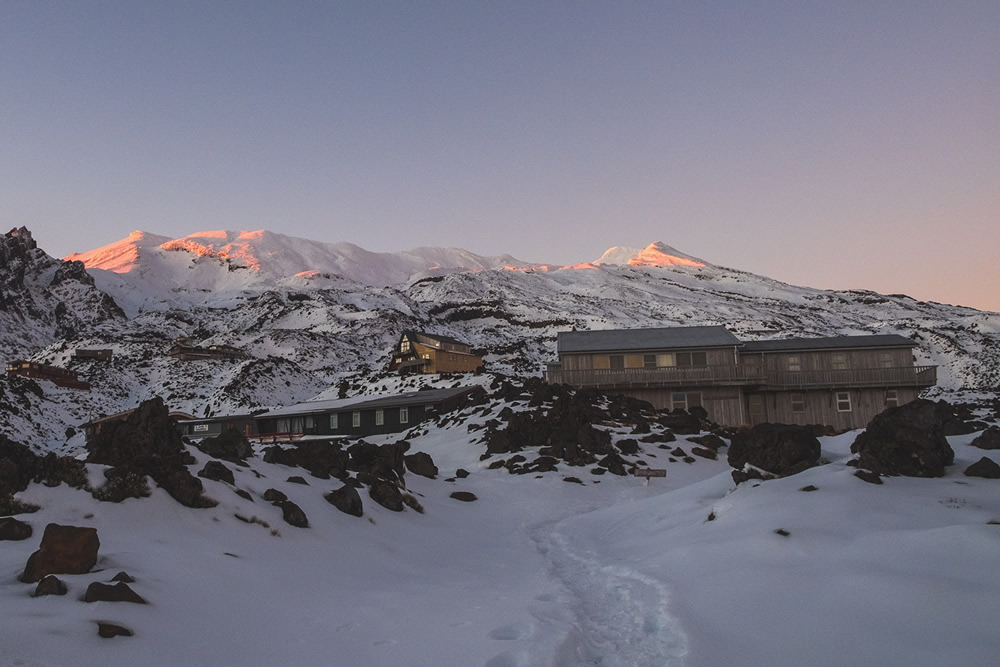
[[840, 381], [59, 376], [418, 352]]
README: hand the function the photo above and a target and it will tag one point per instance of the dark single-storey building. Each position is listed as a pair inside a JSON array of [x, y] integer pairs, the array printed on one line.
[[361, 415]]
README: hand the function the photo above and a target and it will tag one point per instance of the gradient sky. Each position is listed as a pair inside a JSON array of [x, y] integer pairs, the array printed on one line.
[[828, 144]]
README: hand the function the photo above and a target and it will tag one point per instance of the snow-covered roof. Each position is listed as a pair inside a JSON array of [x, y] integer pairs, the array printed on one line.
[[829, 343], [425, 397], [645, 339]]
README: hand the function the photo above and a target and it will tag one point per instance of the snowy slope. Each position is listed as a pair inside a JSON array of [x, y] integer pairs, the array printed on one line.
[[537, 571]]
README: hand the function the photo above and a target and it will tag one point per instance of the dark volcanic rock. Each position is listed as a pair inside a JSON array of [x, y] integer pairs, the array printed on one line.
[[380, 461], [868, 476], [109, 630], [293, 514], [147, 440], [464, 496], [119, 592], [230, 445], [322, 459], [984, 467], [907, 440], [63, 550], [121, 483], [421, 463], [50, 585], [274, 496], [386, 494], [988, 439], [780, 449], [14, 530], [216, 471], [682, 422], [347, 500]]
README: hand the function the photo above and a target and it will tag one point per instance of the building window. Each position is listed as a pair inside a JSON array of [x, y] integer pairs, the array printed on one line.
[[356, 419], [680, 400], [616, 362], [798, 402], [404, 346], [665, 359], [692, 359], [843, 401], [334, 422], [891, 398], [379, 418], [649, 361], [885, 360], [794, 363], [839, 361], [404, 415]]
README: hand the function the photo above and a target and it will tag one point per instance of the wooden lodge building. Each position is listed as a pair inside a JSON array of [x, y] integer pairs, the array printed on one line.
[[100, 355], [840, 381], [59, 376], [418, 352], [359, 416], [184, 350]]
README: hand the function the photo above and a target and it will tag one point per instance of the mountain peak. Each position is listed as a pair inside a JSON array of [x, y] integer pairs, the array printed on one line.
[[656, 253]]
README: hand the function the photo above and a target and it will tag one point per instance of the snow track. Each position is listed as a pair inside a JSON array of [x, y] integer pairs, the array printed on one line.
[[620, 616]]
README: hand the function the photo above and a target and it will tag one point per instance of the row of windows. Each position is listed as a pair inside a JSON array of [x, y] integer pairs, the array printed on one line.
[[843, 399], [839, 361], [404, 418], [662, 360]]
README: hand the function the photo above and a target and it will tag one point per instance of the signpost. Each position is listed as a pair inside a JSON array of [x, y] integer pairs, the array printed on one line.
[[650, 472]]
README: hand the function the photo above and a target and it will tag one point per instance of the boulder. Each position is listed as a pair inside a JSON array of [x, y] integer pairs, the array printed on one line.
[[988, 439], [293, 514], [347, 500], [907, 440], [464, 496], [230, 445], [50, 585], [682, 422], [218, 472], [14, 530], [118, 592], [984, 467], [780, 449], [386, 494], [63, 550], [421, 463], [628, 446], [121, 483], [323, 459], [109, 630], [274, 496]]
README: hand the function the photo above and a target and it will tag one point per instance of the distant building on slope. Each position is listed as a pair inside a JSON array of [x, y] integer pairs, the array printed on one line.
[[59, 376], [840, 381], [418, 352], [100, 355], [184, 350]]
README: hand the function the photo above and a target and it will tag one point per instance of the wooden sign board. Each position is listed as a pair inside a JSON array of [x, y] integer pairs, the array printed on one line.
[[650, 472]]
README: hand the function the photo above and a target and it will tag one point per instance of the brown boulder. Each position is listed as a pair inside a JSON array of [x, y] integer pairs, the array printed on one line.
[[50, 585], [780, 449], [421, 463], [63, 550], [347, 500], [984, 467], [119, 592], [14, 530], [988, 439]]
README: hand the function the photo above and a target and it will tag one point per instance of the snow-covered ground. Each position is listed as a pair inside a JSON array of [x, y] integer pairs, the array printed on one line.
[[537, 571]]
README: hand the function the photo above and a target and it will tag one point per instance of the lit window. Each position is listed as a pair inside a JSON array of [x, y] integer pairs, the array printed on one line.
[[795, 363], [839, 361], [356, 419], [891, 398], [379, 418], [798, 403], [843, 401], [334, 422], [404, 415], [404, 346]]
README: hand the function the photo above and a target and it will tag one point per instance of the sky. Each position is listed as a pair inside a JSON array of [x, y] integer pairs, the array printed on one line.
[[834, 145]]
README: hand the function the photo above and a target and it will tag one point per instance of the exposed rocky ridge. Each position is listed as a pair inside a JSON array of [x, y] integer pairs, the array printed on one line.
[[305, 334]]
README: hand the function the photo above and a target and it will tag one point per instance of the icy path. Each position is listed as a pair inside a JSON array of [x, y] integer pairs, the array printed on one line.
[[617, 616]]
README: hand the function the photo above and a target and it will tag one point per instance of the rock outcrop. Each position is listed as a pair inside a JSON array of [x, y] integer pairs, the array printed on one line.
[[907, 440]]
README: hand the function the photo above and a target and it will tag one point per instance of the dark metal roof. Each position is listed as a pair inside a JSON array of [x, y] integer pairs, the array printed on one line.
[[411, 398], [830, 343], [667, 338], [409, 333]]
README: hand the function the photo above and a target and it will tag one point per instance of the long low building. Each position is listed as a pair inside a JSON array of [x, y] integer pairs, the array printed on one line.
[[361, 415], [840, 381]]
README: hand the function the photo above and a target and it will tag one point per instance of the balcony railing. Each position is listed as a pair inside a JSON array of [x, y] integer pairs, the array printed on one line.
[[751, 375]]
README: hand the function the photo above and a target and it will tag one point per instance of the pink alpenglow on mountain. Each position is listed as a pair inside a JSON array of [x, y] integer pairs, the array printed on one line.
[[655, 254]]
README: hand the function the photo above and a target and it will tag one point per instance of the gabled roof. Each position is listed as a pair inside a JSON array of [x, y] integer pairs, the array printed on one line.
[[438, 337], [829, 343], [411, 398], [667, 338]]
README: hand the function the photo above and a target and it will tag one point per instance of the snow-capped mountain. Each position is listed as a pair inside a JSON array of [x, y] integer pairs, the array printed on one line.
[[311, 316]]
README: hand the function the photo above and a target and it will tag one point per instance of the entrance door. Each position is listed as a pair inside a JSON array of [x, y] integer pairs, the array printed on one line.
[[757, 408]]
